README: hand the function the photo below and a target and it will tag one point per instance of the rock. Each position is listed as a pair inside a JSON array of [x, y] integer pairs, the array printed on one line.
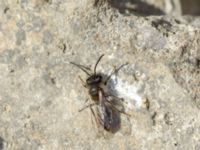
[[41, 93]]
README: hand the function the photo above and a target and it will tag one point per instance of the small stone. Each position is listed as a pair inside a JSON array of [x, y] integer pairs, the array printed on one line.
[[47, 37], [20, 36]]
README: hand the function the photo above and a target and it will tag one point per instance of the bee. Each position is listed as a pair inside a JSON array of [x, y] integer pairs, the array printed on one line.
[[107, 115]]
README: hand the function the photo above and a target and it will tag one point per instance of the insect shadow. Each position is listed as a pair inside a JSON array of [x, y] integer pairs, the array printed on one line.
[[108, 106], [1, 143], [136, 7]]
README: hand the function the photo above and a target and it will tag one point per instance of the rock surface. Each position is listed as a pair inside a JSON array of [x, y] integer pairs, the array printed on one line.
[[41, 94]]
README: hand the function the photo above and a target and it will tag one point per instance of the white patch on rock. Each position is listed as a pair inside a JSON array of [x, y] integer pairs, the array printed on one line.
[[129, 92]]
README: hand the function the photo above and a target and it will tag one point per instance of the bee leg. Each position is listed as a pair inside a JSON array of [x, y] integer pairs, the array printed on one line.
[[86, 101], [90, 105], [116, 98], [95, 117], [115, 108], [113, 96], [92, 115], [83, 83], [115, 71], [99, 122], [108, 78]]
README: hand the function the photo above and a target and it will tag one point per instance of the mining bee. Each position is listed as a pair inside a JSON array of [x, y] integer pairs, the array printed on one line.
[[106, 114]]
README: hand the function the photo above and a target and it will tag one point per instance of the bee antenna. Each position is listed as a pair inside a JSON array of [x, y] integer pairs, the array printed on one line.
[[97, 63], [114, 72], [80, 67]]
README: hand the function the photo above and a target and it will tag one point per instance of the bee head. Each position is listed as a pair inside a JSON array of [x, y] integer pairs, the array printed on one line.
[[94, 80]]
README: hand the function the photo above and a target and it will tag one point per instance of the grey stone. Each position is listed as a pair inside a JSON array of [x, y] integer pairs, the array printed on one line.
[[7, 55], [47, 37], [38, 24], [20, 36], [20, 23], [23, 3]]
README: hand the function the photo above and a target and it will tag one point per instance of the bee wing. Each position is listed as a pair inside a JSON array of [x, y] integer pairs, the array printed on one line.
[[107, 116], [116, 102], [104, 113]]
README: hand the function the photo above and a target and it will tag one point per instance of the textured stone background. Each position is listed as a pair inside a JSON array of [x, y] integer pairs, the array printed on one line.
[[40, 92]]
